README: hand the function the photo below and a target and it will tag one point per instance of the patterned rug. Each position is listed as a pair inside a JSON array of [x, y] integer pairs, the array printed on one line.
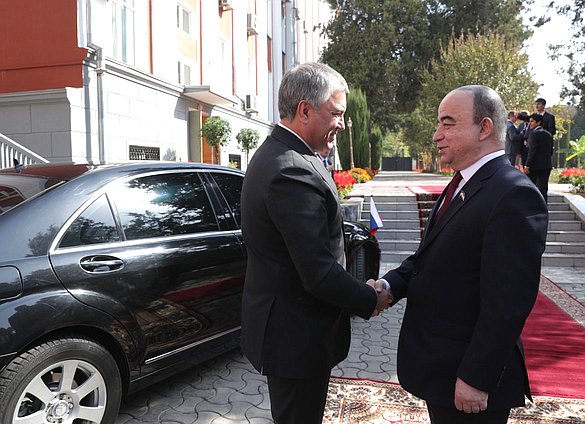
[[351, 401]]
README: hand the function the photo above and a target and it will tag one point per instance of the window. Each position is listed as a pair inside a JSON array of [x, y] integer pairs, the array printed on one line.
[[183, 19], [94, 225], [123, 30], [143, 153], [231, 187], [184, 73], [164, 205]]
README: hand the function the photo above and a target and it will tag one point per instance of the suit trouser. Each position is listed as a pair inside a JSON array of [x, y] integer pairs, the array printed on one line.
[[540, 178], [298, 401], [443, 415]]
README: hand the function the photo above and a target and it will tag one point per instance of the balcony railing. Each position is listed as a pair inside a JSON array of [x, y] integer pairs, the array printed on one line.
[[11, 150]]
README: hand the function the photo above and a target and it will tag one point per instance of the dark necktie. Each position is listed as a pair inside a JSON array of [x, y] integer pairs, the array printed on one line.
[[449, 195]]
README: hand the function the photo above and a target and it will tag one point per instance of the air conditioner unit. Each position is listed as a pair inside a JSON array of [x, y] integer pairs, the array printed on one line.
[[226, 4], [252, 24], [251, 103]]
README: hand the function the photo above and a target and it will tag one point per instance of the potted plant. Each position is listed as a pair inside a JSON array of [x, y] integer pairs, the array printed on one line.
[[248, 140], [217, 132]]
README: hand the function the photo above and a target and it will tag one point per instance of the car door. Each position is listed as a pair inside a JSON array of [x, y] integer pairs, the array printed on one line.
[[150, 251]]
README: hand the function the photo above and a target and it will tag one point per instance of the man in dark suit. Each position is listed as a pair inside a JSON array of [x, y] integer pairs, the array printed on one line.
[[514, 139], [297, 296], [474, 277], [540, 150], [548, 119]]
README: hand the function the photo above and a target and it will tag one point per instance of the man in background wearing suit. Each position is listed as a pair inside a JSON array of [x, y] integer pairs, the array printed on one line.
[[298, 298], [540, 150], [514, 139], [474, 277], [548, 119]]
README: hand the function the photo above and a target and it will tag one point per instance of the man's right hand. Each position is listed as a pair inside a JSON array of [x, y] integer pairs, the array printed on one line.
[[384, 296]]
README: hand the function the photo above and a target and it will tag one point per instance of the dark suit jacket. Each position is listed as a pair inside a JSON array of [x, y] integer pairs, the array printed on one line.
[[540, 149], [548, 122], [297, 296], [514, 138], [470, 286]]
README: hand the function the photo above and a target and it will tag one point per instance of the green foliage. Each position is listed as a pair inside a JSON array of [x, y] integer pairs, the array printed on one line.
[[357, 110], [577, 150], [217, 131], [383, 46], [468, 59], [247, 140], [376, 139]]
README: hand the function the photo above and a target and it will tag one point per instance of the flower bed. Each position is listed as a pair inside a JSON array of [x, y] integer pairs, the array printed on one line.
[[575, 177], [345, 180]]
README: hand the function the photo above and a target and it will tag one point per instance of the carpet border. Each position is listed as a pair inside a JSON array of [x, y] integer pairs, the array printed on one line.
[[564, 300]]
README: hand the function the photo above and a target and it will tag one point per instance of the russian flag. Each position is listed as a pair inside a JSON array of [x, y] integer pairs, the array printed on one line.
[[375, 220]]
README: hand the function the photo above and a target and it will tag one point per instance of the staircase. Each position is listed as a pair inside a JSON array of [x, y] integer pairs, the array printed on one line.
[[404, 215], [11, 152]]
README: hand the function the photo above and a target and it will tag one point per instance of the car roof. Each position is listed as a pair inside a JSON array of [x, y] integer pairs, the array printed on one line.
[[68, 171]]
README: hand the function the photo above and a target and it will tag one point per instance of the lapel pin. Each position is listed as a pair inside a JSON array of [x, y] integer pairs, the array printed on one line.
[[462, 195]]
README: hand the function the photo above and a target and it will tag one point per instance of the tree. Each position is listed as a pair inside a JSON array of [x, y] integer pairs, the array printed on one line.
[[357, 110], [217, 132], [376, 139], [574, 52], [383, 46], [485, 60], [248, 140]]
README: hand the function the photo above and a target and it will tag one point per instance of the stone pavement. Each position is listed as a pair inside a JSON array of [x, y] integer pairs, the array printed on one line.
[[227, 390]]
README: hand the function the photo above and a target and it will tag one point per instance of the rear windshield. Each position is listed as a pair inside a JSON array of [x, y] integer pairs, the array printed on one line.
[[15, 189]]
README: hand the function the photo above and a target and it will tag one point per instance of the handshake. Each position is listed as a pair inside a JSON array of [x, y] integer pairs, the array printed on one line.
[[385, 297]]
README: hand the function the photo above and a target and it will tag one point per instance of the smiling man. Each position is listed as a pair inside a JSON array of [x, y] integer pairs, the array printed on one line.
[[474, 277], [297, 296]]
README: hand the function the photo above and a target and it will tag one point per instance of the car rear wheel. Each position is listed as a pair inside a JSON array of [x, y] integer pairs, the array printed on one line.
[[66, 380]]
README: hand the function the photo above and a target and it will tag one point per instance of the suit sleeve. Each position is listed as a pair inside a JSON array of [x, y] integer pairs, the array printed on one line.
[[514, 240], [301, 211]]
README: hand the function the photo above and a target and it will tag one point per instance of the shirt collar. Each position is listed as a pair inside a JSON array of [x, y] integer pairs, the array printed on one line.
[[298, 136], [468, 172]]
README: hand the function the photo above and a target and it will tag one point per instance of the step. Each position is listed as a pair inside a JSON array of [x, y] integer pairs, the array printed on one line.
[[563, 259], [397, 206], [399, 245], [561, 215], [565, 225], [398, 234], [392, 215], [396, 224], [558, 206], [565, 236], [395, 256], [565, 247]]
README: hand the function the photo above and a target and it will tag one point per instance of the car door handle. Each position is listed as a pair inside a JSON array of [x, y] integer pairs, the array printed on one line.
[[101, 264]]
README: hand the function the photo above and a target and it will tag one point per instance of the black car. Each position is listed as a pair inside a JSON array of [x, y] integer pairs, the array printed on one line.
[[113, 277]]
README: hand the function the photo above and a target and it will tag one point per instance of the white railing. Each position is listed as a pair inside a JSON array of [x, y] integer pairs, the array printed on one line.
[[10, 150]]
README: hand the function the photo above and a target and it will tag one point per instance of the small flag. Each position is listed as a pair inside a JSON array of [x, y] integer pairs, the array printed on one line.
[[375, 220]]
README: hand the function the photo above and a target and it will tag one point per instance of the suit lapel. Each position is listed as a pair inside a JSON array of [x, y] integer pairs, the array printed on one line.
[[288, 138], [467, 192]]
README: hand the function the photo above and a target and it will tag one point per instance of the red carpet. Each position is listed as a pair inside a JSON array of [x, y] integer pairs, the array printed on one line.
[[554, 341]]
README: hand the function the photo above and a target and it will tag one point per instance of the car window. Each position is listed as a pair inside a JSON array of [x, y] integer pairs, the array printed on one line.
[[95, 225], [15, 189], [164, 205], [231, 187]]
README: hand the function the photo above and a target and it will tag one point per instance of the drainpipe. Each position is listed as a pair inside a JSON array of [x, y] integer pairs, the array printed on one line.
[[100, 70]]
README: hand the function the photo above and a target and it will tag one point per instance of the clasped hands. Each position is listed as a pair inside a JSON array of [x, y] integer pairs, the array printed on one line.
[[385, 297]]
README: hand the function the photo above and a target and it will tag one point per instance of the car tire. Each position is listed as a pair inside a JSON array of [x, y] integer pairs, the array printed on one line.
[[357, 266], [47, 383]]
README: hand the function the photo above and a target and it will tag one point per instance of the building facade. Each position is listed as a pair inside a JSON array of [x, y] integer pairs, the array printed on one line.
[[105, 81]]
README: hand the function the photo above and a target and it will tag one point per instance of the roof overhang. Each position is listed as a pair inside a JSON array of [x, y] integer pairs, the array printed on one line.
[[204, 94]]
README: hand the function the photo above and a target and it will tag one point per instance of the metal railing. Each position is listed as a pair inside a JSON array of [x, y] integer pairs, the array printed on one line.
[[11, 150]]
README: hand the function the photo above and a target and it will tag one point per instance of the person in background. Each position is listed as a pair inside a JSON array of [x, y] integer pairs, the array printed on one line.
[[474, 277], [524, 128], [540, 150], [548, 119], [514, 140], [298, 297]]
